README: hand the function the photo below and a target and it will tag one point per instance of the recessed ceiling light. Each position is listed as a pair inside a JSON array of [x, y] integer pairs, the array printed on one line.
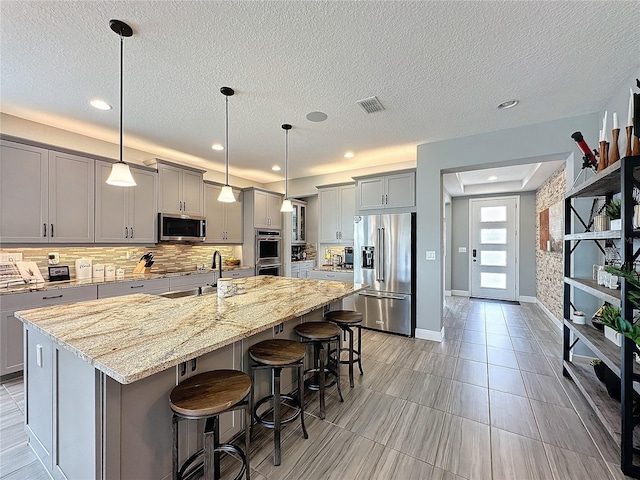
[[100, 104], [275, 168], [492, 178], [316, 116], [349, 155], [217, 146], [508, 104]]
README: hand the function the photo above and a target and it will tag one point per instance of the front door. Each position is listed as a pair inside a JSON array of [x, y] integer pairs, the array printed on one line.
[[494, 247]]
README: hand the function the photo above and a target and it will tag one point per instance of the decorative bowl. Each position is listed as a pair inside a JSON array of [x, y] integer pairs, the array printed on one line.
[[232, 262]]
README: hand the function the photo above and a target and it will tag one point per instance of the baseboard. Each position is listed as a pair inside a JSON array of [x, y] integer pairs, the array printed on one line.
[[527, 299], [432, 335], [460, 293], [557, 322], [447, 293]]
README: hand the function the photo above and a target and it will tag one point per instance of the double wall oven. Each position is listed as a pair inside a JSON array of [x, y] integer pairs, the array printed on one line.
[[268, 250]]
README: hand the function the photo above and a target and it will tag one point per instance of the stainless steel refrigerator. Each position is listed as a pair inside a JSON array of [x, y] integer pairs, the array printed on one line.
[[384, 259]]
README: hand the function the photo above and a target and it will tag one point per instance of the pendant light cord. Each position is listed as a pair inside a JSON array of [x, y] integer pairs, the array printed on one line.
[[286, 165], [226, 139], [121, 70]]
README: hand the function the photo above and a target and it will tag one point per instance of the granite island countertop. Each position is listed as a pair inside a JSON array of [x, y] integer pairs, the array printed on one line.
[[134, 336], [47, 285]]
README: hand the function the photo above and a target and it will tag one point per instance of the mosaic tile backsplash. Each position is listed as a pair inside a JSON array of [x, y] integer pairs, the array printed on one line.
[[549, 265], [167, 257]]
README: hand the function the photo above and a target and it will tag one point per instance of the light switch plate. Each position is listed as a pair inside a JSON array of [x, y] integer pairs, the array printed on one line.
[[10, 257], [431, 255], [462, 249]]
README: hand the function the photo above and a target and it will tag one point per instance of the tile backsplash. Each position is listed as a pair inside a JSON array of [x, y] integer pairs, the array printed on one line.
[[167, 257]]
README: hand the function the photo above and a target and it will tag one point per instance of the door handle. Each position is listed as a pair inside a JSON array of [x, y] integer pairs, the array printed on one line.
[[183, 369], [52, 230], [180, 205], [194, 364], [131, 232], [136, 286], [382, 255], [39, 355], [386, 199], [51, 298], [126, 232], [184, 206], [473, 254], [44, 229], [383, 297]]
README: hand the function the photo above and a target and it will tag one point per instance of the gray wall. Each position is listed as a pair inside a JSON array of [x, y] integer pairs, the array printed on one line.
[[448, 245], [526, 240], [505, 147]]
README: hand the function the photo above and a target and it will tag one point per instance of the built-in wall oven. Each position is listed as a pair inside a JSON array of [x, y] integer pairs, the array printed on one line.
[[268, 248]]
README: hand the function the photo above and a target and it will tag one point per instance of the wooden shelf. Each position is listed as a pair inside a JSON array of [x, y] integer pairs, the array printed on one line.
[[607, 182], [591, 286], [606, 235]]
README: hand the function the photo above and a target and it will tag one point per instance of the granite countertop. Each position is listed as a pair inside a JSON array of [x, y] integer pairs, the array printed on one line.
[[134, 336], [101, 281], [333, 269]]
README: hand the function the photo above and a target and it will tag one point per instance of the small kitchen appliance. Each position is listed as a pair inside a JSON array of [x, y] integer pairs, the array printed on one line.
[[348, 257]]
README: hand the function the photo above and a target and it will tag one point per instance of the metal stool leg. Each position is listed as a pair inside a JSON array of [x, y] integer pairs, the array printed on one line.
[[247, 439], [276, 416], [338, 368], [251, 400], [174, 453], [321, 381], [301, 398], [210, 453], [360, 349], [350, 357]]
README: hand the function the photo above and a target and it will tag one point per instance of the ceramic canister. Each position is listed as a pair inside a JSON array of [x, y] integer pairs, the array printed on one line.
[[109, 271], [239, 286], [84, 268], [98, 270], [120, 272], [225, 287]]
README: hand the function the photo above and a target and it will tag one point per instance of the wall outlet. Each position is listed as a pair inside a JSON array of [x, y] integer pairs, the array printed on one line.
[[127, 255], [462, 249], [10, 257], [431, 255], [54, 258]]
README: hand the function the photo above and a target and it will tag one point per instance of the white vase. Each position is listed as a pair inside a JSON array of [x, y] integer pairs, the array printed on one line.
[[612, 335], [616, 224], [636, 216], [601, 223]]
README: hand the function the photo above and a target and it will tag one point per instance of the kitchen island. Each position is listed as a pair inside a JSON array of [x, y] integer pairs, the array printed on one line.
[[98, 373]]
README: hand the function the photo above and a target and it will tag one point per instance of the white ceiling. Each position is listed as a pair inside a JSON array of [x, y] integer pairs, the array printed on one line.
[[439, 69], [517, 178]]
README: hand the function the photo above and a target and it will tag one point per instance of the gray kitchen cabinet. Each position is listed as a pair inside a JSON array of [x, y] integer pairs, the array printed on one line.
[[295, 270], [336, 209], [261, 209], [387, 191], [187, 282], [45, 196], [11, 347], [152, 286], [126, 215], [180, 189], [299, 222], [305, 268], [240, 273], [224, 220]]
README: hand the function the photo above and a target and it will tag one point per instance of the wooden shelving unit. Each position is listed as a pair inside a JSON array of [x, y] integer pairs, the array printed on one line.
[[616, 417]]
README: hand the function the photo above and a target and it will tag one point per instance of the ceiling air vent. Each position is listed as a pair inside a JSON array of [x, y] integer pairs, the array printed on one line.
[[371, 104]]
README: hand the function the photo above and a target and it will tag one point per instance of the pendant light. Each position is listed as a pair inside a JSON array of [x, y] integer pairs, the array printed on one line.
[[120, 174], [286, 203], [226, 194]]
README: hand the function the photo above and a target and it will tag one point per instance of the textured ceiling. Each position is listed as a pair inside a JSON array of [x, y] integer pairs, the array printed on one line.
[[438, 68]]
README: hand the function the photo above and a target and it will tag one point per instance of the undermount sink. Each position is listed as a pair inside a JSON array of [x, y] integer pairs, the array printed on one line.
[[195, 292]]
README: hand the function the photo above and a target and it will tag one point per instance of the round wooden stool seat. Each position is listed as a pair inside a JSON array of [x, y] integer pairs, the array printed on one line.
[[317, 331], [348, 317], [277, 352], [209, 393]]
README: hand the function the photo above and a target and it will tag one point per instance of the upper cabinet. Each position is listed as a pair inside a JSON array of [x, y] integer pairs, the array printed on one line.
[[45, 196], [336, 206], [224, 220], [180, 189], [299, 222], [397, 190], [128, 214], [264, 208]]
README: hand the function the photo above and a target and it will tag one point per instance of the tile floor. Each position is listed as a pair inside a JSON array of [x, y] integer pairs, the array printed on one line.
[[489, 402]]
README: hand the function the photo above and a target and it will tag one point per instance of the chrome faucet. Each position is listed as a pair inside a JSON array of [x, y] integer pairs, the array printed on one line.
[[213, 263]]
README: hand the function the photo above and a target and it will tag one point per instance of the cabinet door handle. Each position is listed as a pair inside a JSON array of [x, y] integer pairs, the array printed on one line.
[[131, 232], [39, 355], [340, 235], [180, 205], [386, 199], [183, 369], [52, 297], [52, 230], [136, 286], [383, 198], [126, 232], [184, 206], [194, 364], [44, 229]]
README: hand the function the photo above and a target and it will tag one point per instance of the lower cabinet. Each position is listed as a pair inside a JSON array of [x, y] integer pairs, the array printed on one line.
[[187, 282], [239, 273], [153, 286]]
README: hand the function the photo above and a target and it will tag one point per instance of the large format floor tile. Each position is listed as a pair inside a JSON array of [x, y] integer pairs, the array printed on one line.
[[489, 403]]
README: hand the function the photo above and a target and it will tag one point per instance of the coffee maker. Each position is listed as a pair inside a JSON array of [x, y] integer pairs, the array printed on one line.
[[348, 257]]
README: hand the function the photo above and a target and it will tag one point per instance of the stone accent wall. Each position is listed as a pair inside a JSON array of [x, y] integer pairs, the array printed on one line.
[[549, 265], [167, 257]]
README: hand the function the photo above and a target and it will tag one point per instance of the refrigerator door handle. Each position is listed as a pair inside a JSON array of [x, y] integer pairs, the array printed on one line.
[[382, 259], [378, 259], [383, 297]]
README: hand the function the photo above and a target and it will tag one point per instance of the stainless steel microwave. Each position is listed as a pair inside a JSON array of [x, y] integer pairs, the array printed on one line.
[[181, 228]]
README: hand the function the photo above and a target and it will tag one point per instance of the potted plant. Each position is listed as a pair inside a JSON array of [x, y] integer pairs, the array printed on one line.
[[598, 368], [612, 318], [613, 211]]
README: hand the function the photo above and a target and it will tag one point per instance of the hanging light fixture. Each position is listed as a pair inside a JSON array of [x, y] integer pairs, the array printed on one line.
[[226, 194], [120, 174], [286, 203]]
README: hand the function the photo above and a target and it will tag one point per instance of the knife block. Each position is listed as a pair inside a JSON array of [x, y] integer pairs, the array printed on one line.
[[140, 267]]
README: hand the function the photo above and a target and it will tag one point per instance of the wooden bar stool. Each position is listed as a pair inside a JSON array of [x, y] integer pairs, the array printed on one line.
[[346, 320], [205, 396], [320, 334], [276, 354]]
